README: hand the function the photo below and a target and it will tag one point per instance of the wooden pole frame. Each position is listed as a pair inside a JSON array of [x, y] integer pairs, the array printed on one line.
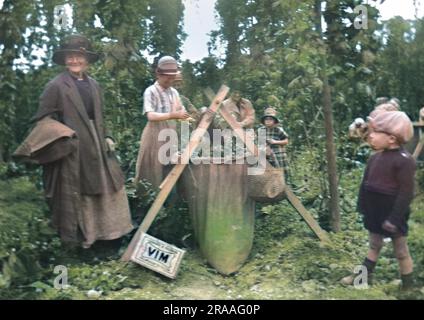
[[176, 172], [294, 201], [169, 182]]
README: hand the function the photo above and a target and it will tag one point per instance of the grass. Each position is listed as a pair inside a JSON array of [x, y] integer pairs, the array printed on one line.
[[286, 262]]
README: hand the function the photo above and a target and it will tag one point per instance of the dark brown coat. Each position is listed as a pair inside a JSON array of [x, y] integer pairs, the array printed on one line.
[[55, 146], [61, 100], [85, 170], [48, 141]]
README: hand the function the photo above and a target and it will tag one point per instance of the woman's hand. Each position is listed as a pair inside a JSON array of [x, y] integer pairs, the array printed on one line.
[[110, 144], [182, 114]]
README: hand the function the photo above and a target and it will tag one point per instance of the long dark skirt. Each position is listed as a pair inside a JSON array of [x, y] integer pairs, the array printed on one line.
[[105, 216]]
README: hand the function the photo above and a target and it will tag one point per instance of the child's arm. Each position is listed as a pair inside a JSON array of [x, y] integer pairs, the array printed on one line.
[[405, 177], [283, 138], [361, 201], [158, 116], [279, 142]]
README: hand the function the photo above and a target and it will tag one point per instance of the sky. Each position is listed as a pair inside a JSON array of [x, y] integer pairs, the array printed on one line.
[[199, 20]]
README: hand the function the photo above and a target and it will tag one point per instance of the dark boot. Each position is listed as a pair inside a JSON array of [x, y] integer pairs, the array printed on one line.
[[370, 265], [407, 281]]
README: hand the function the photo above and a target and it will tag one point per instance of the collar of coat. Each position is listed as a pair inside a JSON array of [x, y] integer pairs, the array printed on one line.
[[73, 94]]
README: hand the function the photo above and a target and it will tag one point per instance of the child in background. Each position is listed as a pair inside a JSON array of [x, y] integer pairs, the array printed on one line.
[[387, 191], [359, 128], [276, 139]]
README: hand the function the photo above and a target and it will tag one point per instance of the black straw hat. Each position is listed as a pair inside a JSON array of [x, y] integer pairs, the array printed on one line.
[[75, 43]]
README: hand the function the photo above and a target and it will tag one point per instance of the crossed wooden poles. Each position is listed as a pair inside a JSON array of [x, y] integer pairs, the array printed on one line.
[[169, 182]]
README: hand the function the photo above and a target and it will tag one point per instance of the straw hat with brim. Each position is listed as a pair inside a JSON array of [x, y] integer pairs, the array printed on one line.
[[167, 65], [270, 112], [75, 43]]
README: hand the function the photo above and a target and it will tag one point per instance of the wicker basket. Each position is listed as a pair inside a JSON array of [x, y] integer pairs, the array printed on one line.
[[267, 187]]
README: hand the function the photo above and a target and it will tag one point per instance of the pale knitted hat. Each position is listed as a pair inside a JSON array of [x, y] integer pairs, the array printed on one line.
[[167, 65], [381, 100], [395, 123], [382, 108], [395, 102], [387, 107]]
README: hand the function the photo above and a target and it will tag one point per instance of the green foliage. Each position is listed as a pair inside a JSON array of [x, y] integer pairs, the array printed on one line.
[[27, 242], [167, 33], [126, 30], [420, 178], [275, 55], [172, 223], [286, 262], [400, 63], [312, 189]]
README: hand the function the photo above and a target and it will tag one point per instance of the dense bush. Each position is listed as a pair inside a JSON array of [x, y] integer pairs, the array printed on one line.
[[27, 242]]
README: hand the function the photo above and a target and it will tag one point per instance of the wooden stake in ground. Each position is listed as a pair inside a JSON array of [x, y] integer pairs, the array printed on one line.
[[309, 219], [420, 145], [176, 172], [294, 201], [328, 122], [331, 156]]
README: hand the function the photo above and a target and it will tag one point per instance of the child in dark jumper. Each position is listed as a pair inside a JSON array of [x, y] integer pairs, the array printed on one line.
[[387, 191]]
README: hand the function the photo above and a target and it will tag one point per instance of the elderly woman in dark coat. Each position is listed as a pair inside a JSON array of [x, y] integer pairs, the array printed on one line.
[[85, 190]]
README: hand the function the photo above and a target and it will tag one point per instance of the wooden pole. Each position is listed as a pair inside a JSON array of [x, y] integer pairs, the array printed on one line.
[[294, 201], [331, 157], [176, 172], [309, 219], [418, 149], [329, 130], [420, 126]]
